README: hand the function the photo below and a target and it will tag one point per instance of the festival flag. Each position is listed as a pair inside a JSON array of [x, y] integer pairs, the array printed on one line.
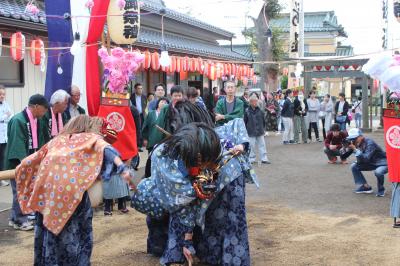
[[392, 140], [59, 35], [121, 120]]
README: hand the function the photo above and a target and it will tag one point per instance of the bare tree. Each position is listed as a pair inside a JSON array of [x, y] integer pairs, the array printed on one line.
[[268, 46]]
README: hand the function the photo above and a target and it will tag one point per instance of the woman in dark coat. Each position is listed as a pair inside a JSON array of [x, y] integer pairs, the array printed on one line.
[[341, 110]]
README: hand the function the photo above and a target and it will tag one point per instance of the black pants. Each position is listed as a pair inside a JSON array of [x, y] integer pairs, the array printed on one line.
[[323, 128], [333, 154], [2, 151], [108, 204], [140, 140], [315, 127]]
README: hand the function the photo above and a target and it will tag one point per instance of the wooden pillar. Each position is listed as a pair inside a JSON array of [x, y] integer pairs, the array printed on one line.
[[365, 111]]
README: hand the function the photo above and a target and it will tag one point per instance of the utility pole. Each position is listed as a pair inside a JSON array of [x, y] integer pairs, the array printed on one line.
[[385, 37]]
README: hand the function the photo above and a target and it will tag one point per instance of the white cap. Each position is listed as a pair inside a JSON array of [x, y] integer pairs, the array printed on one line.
[[354, 133]]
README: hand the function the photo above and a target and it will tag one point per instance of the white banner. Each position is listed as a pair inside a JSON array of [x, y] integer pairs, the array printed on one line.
[[80, 14]]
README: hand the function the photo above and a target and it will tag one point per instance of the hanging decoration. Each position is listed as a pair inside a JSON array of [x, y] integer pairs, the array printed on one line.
[[17, 48], [233, 70], [89, 5], [147, 60], [119, 67], [212, 72], [172, 66], [155, 61], [60, 71], [200, 65], [32, 8], [178, 67], [123, 21], [37, 51], [185, 64]]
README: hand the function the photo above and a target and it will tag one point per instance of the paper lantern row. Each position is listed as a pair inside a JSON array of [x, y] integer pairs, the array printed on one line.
[[337, 68], [17, 50], [209, 68]]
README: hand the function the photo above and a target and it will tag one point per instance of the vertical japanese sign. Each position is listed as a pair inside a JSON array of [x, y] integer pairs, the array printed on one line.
[[294, 39], [294, 28], [124, 24]]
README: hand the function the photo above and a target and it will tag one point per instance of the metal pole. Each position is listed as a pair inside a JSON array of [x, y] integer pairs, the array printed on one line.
[[365, 111]]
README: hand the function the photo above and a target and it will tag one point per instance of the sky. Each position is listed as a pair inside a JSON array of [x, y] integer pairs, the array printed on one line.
[[362, 19]]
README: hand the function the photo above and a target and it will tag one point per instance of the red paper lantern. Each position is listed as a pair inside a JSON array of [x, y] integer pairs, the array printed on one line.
[[212, 72], [178, 61], [155, 61], [228, 69], [197, 65], [346, 67], [147, 60], [37, 47], [201, 65], [245, 70], [185, 64], [318, 68], [328, 68], [17, 44], [219, 70], [205, 68], [355, 67], [172, 66], [251, 73], [192, 65], [233, 69]]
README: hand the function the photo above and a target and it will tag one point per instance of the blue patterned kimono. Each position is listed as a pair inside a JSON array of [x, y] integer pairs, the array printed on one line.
[[169, 192]]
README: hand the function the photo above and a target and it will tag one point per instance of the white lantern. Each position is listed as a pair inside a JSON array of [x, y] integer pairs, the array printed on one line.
[[124, 24]]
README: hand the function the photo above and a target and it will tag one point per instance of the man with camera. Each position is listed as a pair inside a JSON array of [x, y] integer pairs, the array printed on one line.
[[370, 157], [335, 145]]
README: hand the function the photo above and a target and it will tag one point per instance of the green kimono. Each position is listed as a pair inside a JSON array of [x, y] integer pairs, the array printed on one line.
[[47, 120], [20, 139], [238, 110], [156, 136], [148, 128]]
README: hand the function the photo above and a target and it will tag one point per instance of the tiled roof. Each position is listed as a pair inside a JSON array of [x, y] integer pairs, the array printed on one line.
[[152, 6], [242, 49], [14, 9], [179, 44], [340, 51], [313, 22]]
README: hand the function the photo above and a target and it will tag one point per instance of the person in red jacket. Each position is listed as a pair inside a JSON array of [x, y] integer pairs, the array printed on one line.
[[334, 144]]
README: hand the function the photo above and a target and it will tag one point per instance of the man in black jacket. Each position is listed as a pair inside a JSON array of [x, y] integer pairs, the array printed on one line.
[[140, 102], [287, 114], [255, 125]]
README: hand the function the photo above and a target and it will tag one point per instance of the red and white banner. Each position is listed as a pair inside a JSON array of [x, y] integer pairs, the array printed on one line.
[[121, 120], [392, 140]]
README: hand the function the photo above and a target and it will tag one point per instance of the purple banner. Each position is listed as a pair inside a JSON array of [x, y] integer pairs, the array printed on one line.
[[60, 35]]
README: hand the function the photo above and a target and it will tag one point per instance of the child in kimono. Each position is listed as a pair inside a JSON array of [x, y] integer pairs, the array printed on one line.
[[53, 182]]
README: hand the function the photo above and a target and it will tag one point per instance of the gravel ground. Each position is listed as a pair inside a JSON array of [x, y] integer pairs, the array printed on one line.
[[304, 214]]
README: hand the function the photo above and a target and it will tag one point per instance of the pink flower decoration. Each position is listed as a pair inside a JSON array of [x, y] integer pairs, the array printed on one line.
[[89, 4], [103, 53], [119, 67], [118, 52], [31, 8], [121, 4]]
